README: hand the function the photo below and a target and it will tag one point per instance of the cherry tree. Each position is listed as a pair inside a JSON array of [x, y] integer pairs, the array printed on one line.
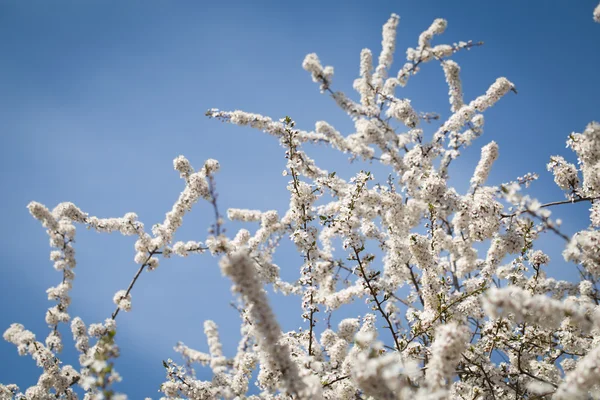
[[438, 319]]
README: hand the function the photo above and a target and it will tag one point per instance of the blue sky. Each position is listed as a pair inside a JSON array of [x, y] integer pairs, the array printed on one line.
[[98, 97]]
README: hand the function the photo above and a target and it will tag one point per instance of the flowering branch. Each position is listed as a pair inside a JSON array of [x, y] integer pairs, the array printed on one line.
[[480, 317]]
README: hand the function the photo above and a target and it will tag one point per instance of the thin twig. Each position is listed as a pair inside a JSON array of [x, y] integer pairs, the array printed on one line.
[[135, 277], [553, 203], [376, 299], [341, 378]]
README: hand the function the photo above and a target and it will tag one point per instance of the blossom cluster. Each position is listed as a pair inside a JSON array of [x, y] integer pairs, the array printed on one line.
[[453, 289]]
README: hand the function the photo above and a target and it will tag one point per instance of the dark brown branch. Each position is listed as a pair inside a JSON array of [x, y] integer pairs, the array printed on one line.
[[341, 378], [135, 277], [553, 203], [213, 201], [416, 284], [305, 218], [376, 299]]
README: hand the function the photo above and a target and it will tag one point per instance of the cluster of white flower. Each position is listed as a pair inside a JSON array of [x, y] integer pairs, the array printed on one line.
[[217, 360], [582, 378], [565, 174], [319, 74], [595, 214], [184, 167], [587, 147], [539, 309], [62, 234], [446, 351], [236, 214], [492, 95], [489, 154], [123, 300], [54, 376], [402, 111], [183, 249], [363, 84], [452, 72], [388, 46], [277, 355], [467, 327]]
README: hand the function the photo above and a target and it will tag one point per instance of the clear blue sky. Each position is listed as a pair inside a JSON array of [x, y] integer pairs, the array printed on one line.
[[98, 97]]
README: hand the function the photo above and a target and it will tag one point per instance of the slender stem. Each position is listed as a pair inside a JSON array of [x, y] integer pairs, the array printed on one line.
[[135, 277], [305, 219], [554, 203], [341, 378], [213, 201], [374, 296], [416, 284]]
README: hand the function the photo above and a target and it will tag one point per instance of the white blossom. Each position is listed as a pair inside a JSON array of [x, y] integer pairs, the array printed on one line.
[[403, 112], [217, 359], [595, 214], [123, 300], [364, 85], [184, 167], [538, 309], [452, 71], [437, 28], [450, 341], [388, 45], [582, 378], [239, 268], [236, 214], [492, 95], [565, 174], [455, 289], [489, 154], [313, 65]]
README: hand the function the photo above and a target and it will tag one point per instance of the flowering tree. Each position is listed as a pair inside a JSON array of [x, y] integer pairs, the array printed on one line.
[[467, 327]]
